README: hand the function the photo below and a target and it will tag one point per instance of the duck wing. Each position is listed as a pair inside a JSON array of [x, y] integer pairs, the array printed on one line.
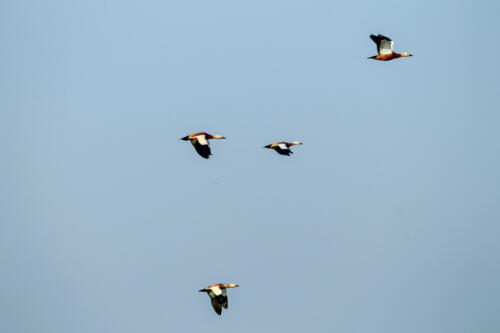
[[384, 44], [203, 151], [218, 298], [216, 305], [283, 149], [201, 146]]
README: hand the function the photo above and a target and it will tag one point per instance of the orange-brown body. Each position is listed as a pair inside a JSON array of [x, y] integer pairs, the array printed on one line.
[[282, 147], [393, 55], [193, 136], [288, 144], [200, 142], [385, 49], [222, 285], [218, 295]]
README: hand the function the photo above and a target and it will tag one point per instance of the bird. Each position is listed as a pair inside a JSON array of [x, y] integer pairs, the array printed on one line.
[[384, 48], [200, 142], [282, 147], [218, 295]]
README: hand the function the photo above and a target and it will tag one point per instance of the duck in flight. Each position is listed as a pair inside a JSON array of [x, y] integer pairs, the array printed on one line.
[[283, 148], [218, 295], [384, 48], [200, 142]]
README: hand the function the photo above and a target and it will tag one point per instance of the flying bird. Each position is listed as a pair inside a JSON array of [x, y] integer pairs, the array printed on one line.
[[282, 147], [384, 48], [200, 142], [218, 295]]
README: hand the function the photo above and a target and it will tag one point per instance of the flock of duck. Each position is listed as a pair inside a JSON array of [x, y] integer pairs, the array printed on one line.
[[217, 292], [200, 144]]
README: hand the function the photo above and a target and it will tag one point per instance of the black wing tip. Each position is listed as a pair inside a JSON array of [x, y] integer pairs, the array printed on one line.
[[203, 150], [283, 151], [206, 156], [379, 37], [216, 304]]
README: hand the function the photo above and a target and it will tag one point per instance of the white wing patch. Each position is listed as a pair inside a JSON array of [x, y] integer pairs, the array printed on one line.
[[217, 291], [202, 140], [283, 146], [386, 46]]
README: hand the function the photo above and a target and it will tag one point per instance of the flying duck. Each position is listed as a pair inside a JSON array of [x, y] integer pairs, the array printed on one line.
[[282, 147], [384, 47], [218, 295], [200, 142]]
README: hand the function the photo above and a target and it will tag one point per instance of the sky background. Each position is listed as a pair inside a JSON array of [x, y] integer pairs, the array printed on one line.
[[385, 220]]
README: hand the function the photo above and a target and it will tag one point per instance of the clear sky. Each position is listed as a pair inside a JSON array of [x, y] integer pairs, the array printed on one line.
[[385, 220]]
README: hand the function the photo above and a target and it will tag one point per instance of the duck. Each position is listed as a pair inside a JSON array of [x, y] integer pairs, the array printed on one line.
[[218, 295], [384, 48], [282, 147], [200, 142]]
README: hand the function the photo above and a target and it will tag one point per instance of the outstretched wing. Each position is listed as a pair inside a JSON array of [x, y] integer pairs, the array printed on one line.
[[200, 143], [204, 151], [216, 305], [384, 44], [218, 298], [283, 149]]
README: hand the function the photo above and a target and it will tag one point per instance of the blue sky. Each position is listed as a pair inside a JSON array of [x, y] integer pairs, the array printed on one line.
[[385, 220]]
